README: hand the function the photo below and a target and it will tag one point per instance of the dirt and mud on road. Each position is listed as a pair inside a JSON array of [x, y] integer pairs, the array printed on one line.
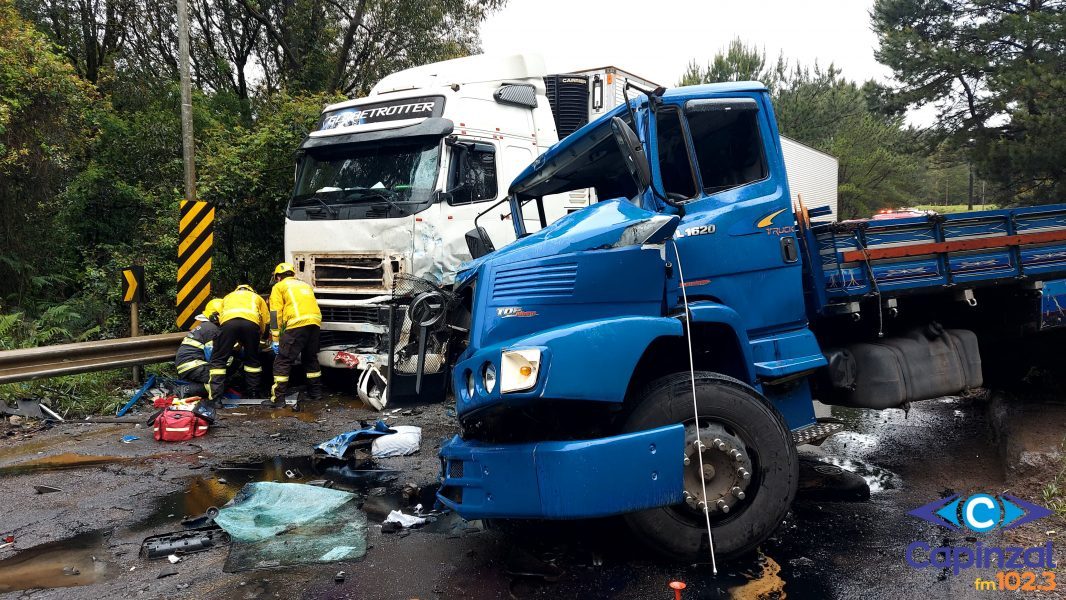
[[83, 540]]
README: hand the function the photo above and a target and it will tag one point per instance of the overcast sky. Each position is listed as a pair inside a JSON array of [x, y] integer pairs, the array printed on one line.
[[657, 39]]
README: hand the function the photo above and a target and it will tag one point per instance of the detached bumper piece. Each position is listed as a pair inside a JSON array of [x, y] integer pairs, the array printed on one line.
[[564, 480]]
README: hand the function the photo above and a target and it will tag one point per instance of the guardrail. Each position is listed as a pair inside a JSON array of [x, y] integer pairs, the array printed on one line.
[[82, 357]]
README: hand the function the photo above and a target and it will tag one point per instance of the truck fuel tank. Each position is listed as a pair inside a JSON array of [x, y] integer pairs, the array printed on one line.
[[926, 362]]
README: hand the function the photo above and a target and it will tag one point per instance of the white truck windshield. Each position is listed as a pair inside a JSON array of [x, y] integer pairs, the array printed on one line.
[[344, 182]]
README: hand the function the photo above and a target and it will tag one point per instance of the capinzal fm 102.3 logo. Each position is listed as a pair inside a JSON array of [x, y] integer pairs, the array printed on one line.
[[1018, 568], [980, 513]]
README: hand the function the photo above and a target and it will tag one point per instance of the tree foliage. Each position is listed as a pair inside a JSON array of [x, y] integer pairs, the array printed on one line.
[[90, 135], [996, 72]]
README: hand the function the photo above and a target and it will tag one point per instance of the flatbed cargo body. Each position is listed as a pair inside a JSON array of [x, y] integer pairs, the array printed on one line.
[[857, 258]]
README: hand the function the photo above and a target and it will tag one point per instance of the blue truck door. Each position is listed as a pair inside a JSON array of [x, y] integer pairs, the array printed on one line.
[[737, 240]]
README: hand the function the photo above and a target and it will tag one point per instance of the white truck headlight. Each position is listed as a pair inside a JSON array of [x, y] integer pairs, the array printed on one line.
[[519, 369]]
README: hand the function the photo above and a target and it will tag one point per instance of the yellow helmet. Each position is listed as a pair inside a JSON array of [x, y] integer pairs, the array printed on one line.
[[284, 268], [245, 286], [214, 307]]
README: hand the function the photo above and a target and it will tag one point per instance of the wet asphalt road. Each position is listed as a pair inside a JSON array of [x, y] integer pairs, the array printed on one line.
[[825, 549]]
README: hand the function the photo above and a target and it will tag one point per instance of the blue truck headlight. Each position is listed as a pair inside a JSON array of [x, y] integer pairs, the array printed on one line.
[[488, 375], [519, 369], [470, 384]]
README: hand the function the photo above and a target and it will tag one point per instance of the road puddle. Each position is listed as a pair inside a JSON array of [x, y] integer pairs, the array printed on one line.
[[767, 585], [67, 563], [59, 462], [878, 478]]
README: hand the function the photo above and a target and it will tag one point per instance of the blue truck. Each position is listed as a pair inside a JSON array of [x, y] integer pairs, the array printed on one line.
[[656, 355]]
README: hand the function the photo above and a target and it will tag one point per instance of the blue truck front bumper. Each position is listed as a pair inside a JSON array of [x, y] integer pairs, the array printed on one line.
[[564, 480]]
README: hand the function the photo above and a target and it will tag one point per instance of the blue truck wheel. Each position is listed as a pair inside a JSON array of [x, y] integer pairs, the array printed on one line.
[[750, 467]]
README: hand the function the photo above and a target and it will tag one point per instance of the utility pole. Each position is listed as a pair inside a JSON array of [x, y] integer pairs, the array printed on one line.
[[188, 149], [970, 204]]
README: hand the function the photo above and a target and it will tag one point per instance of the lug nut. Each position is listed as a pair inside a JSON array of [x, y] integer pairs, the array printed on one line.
[[735, 454], [687, 461], [739, 493], [722, 506], [743, 473], [719, 444], [690, 499]]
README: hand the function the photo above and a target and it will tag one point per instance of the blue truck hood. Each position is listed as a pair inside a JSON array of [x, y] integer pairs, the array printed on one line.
[[603, 225]]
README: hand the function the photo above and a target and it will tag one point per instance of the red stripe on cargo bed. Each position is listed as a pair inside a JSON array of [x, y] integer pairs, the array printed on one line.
[[972, 244]]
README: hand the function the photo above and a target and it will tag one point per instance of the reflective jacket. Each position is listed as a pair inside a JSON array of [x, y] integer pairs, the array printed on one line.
[[195, 350], [245, 304], [292, 305]]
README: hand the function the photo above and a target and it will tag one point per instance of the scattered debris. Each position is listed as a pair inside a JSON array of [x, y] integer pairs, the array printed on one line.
[[171, 545], [15, 420], [144, 388], [341, 445], [167, 573], [205, 520], [339, 577], [174, 559], [10, 539], [391, 527], [126, 439], [405, 520], [46, 489], [405, 441]]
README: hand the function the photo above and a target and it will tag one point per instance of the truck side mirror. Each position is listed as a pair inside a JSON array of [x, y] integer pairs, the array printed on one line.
[[462, 157], [479, 243], [632, 153]]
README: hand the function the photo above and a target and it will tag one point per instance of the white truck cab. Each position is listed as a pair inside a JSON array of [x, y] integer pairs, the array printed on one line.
[[388, 185]]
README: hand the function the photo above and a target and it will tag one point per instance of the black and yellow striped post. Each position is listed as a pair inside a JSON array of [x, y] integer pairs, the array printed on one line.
[[195, 238]]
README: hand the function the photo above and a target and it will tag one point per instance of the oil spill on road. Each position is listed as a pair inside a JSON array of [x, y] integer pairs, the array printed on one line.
[[67, 563]]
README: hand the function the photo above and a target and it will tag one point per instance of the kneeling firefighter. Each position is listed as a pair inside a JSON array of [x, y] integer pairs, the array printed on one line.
[[194, 353], [295, 322], [243, 320]]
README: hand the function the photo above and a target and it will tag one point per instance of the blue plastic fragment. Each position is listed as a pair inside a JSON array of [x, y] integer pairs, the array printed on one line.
[[147, 384], [338, 446], [129, 438]]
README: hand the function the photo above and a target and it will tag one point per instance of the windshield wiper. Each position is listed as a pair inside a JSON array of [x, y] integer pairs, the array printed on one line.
[[317, 198], [383, 193]]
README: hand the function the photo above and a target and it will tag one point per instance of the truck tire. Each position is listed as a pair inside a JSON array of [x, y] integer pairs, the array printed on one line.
[[725, 404]]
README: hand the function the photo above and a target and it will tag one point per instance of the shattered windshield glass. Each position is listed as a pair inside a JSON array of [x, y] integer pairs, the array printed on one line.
[[394, 178]]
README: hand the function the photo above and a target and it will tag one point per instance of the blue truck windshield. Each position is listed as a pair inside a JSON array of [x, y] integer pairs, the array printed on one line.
[[353, 182]]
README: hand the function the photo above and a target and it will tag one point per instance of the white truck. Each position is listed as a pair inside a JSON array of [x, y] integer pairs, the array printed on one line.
[[387, 187]]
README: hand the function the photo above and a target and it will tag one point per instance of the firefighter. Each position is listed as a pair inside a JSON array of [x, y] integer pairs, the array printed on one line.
[[243, 320], [194, 352], [295, 321]]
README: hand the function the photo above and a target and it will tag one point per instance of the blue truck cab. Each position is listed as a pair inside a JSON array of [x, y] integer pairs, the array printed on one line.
[[696, 286]]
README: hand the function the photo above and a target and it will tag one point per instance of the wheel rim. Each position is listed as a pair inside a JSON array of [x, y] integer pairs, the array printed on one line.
[[730, 458]]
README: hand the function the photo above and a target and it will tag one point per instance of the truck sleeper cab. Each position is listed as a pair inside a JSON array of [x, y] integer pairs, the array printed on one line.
[[575, 393]]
